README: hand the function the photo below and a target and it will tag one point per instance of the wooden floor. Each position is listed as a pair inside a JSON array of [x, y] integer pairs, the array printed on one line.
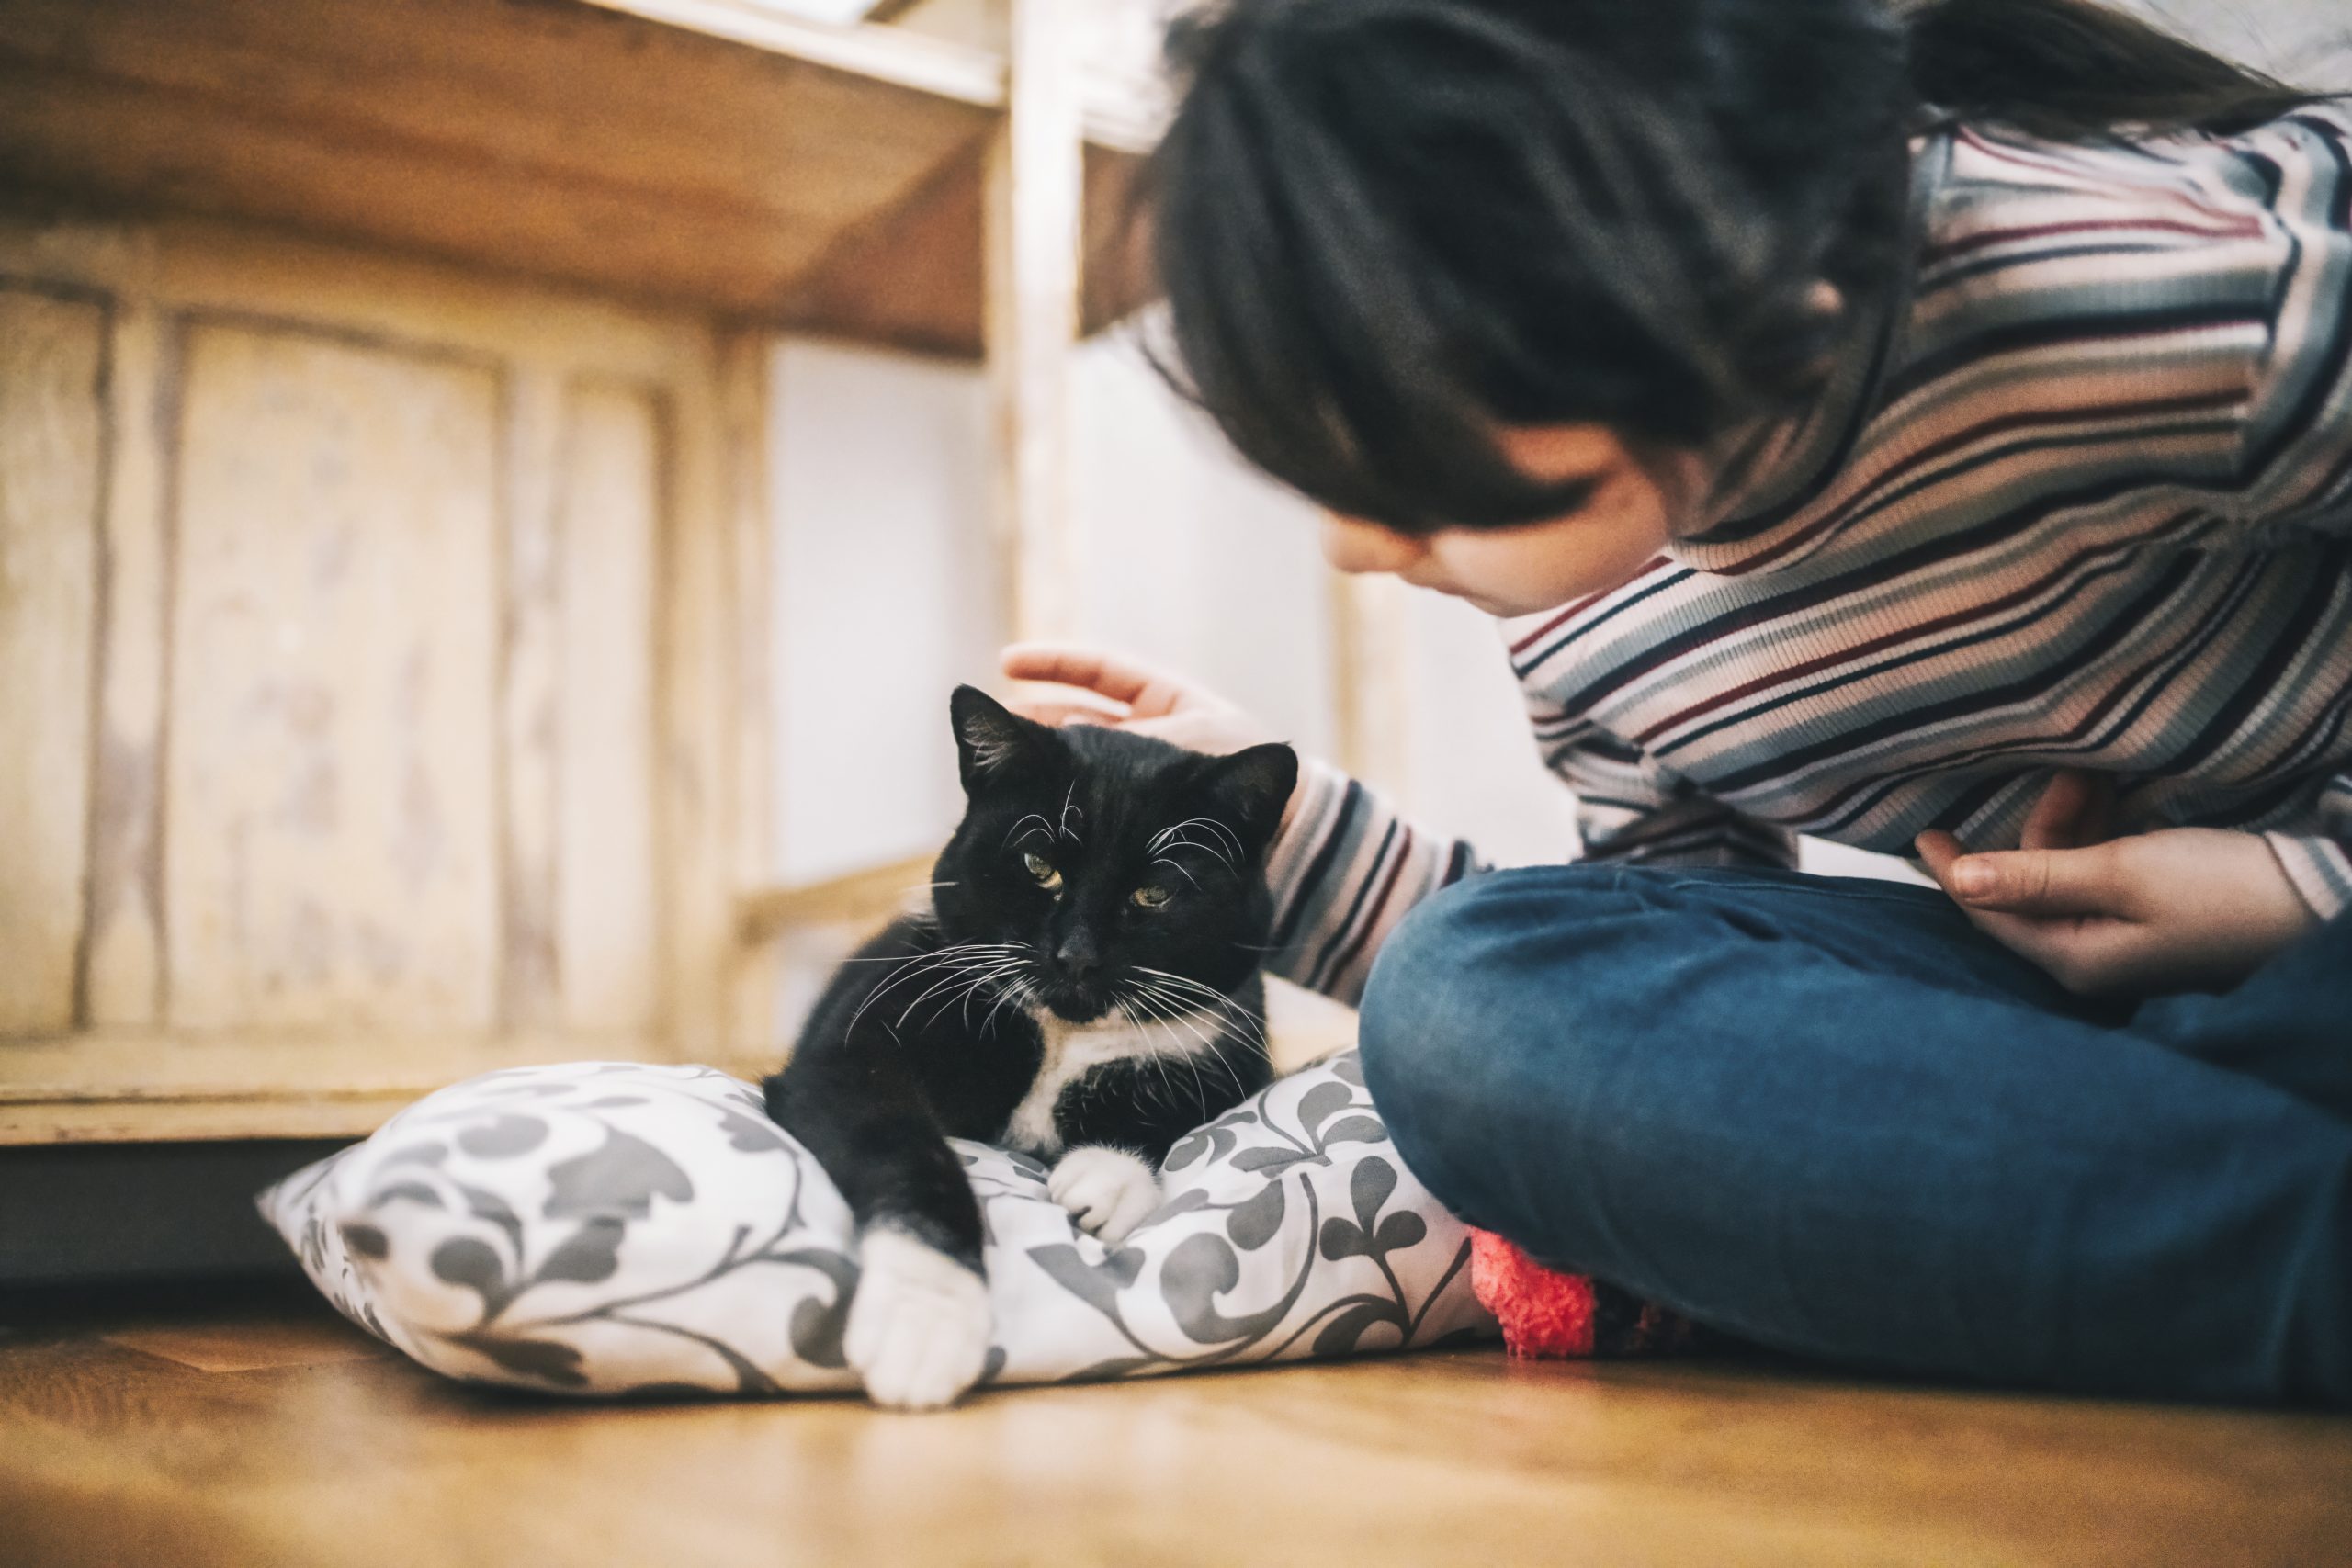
[[261, 1431]]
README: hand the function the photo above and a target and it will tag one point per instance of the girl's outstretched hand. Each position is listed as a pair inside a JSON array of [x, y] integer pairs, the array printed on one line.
[[2182, 909], [1110, 688], [1100, 687]]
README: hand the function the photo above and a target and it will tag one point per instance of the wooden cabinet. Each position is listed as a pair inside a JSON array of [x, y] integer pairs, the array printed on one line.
[[377, 674], [383, 525]]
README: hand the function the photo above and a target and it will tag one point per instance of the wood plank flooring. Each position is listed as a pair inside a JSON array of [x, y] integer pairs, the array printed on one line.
[[261, 1431]]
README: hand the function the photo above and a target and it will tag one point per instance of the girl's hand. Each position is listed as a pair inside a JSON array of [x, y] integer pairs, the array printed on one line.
[[1109, 688], [2183, 909]]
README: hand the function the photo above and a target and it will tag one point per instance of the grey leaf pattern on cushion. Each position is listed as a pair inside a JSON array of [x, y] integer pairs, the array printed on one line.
[[646, 1230], [485, 1204], [1319, 1104], [625, 1176], [1356, 1129], [1096, 1284], [818, 1322], [545, 1360], [752, 1134], [473, 1263], [410, 1191], [591, 1255], [364, 1239], [1345, 1331], [1253, 1223], [503, 1137]]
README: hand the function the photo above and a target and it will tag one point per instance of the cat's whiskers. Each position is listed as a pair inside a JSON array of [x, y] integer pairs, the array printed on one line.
[[978, 984], [959, 973], [1163, 1002], [934, 952], [916, 964], [1143, 1027], [983, 974], [1192, 1059], [1227, 1014], [1155, 1056], [1010, 995], [1207, 993]]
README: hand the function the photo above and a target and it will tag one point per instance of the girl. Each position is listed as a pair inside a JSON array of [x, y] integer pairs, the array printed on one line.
[[1930, 434]]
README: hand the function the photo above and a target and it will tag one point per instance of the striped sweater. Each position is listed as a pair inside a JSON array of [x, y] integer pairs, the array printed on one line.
[[2083, 499]]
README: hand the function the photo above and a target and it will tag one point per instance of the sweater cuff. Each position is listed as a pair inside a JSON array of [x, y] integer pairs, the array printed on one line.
[[2320, 868]]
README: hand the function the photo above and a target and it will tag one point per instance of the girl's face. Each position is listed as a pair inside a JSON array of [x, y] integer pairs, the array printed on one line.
[[1633, 510]]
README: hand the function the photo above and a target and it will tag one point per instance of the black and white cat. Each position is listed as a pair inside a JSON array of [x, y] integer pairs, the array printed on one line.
[[1085, 988]]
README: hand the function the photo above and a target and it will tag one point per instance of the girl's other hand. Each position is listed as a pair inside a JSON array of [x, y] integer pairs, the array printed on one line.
[[2183, 909]]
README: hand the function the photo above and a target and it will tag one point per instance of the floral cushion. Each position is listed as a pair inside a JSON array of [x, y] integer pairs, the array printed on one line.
[[611, 1227]]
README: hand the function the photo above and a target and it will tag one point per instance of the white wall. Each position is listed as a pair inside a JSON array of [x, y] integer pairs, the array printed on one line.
[[1191, 559], [885, 598]]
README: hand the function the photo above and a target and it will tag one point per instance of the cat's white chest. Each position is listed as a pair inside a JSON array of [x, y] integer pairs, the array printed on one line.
[[1071, 1051]]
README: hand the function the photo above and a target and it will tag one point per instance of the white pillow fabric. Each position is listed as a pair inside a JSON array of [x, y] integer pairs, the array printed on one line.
[[611, 1227]]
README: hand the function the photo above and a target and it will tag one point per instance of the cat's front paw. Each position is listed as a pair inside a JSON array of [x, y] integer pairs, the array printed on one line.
[[918, 1329], [1107, 1190]]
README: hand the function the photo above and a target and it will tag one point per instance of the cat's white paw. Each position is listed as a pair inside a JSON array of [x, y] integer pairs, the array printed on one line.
[[1107, 1190], [918, 1329]]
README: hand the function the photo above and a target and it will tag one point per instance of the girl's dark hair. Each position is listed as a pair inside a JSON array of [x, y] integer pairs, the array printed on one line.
[[1386, 228]]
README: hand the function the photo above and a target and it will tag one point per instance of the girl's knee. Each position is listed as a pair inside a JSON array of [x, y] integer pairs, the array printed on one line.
[[1486, 953], [1463, 1026]]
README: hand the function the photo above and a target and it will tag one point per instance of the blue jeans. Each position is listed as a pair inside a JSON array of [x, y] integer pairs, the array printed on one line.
[[1828, 1116]]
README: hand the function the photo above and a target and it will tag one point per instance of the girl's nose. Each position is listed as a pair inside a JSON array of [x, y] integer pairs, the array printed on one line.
[[1354, 545]]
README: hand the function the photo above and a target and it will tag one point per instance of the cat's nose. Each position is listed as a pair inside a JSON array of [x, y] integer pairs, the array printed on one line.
[[1077, 956]]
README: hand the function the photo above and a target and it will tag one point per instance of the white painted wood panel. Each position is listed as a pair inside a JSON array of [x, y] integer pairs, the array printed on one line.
[[529, 975], [125, 941], [608, 915], [52, 454], [328, 824]]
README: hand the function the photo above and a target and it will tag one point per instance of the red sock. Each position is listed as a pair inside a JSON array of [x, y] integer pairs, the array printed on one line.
[[1543, 1312]]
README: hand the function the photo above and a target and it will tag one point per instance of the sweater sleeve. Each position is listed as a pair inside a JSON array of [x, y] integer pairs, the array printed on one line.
[[1342, 873], [2295, 452], [2320, 863]]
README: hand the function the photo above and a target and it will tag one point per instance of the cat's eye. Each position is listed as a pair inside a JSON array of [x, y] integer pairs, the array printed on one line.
[[1047, 877], [1150, 896]]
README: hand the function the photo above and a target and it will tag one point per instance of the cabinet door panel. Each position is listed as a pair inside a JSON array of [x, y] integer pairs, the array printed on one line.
[[608, 920], [328, 808], [51, 452]]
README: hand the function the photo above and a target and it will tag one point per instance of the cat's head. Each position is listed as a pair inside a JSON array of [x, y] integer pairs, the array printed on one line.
[[1119, 872]]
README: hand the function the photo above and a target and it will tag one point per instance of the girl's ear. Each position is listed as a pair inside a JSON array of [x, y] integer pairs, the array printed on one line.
[[1249, 790], [994, 744]]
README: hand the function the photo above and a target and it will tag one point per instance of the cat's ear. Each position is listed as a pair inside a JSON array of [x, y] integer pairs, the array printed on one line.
[[1248, 791], [992, 742]]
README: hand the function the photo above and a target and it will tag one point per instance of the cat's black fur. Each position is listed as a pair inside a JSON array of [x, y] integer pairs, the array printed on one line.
[[940, 1026]]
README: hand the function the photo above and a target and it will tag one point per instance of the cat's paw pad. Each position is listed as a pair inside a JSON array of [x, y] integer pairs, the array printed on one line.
[[918, 1329], [1108, 1191]]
